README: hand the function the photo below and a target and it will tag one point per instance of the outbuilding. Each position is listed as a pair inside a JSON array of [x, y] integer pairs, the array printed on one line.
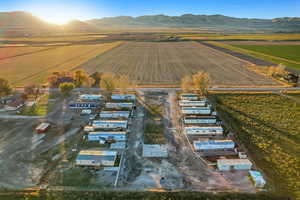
[[207, 145], [123, 97], [196, 110], [189, 97], [115, 114], [119, 105], [234, 164], [208, 119], [96, 158], [204, 130], [117, 136], [110, 124], [42, 128]]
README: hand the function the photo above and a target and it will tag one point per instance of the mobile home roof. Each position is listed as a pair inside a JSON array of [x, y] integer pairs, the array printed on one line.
[[98, 153], [234, 162]]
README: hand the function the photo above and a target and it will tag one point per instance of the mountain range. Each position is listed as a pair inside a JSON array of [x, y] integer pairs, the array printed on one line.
[[24, 23]]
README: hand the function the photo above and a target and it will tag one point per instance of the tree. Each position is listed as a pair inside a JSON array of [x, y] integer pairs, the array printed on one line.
[[271, 71], [88, 82], [280, 69], [32, 89], [80, 77], [56, 78], [66, 88], [201, 82], [108, 83], [5, 88], [97, 78], [186, 83], [124, 83]]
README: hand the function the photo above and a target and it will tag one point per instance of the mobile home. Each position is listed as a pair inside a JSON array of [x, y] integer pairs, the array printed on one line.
[[206, 145], [118, 105], [84, 105], [127, 97], [196, 110], [110, 124], [234, 164], [200, 120], [204, 130], [183, 103], [189, 97], [257, 178], [115, 114], [96, 158], [97, 136], [90, 97]]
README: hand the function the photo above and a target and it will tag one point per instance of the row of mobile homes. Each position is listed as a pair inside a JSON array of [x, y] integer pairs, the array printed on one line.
[[84, 105], [196, 110], [123, 97], [204, 130], [190, 97], [119, 105], [184, 103], [110, 124], [207, 145], [114, 114], [106, 136], [90, 97], [96, 158], [234, 164], [201, 119]]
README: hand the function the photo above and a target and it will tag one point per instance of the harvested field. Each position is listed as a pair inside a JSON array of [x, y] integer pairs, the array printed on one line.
[[10, 52], [168, 62], [34, 67]]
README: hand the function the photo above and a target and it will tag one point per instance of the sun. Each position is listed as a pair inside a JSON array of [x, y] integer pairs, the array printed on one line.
[[55, 18]]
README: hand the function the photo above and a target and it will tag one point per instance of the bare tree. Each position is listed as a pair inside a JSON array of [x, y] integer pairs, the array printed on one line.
[[124, 83], [201, 82], [271, 71], [186, 84], [108, 83]]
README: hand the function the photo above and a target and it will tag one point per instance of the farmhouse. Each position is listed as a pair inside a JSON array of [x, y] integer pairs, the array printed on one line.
[[84, 105], [42, 128], [96, 158], [90, 97], [196, 110], [192, 103], [119, 105], [257, 178], [204, 131], [208, 119], [110, 124], [97, 136], [189, 97], [114, 114], [233, 164], [205, 145], [127, 97]]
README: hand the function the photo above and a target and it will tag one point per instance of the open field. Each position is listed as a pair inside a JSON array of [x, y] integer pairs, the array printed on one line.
[[34, 68], [271, 57], [243, 37], [268, 125], [10, 52], [168, 62]]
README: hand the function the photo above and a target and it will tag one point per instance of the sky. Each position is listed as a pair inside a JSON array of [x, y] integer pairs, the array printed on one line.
[[64, 10]]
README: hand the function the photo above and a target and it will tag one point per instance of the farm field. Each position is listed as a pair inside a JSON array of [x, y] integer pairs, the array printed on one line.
[[34, 68], [167, 62], [8, 52], [268, 125], [284, 54]]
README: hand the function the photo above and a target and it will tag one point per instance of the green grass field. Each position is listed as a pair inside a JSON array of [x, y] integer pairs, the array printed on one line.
[[268, 125], [271, 56]]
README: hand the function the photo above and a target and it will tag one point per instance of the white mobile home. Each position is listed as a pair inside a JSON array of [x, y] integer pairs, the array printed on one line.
[[234, 164], [196, 110], [110, 124], [204, 131], [189, 97], [126, 97], [97, 136], [200, 120], [183, 103], [84, 105], [114, 114], [96, 158], [206, 145], [90, 97], [118, 105]]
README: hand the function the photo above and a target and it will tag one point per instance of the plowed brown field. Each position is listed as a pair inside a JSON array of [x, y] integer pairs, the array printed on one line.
[[168, 62]]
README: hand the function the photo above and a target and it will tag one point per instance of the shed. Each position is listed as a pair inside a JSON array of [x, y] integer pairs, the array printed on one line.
[[204, 130], [127, 97], [115, 114], [189, 96], [183, 103], [200, 120], [117, 136], [204, 145], [196, 110], [42, 128], [96, 158], [257, 178], [90, 97], [233, 164], [118, 105], [110, 124]]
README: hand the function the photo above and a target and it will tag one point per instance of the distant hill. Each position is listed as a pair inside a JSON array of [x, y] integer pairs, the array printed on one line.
[[80, 26], [200, 21]]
